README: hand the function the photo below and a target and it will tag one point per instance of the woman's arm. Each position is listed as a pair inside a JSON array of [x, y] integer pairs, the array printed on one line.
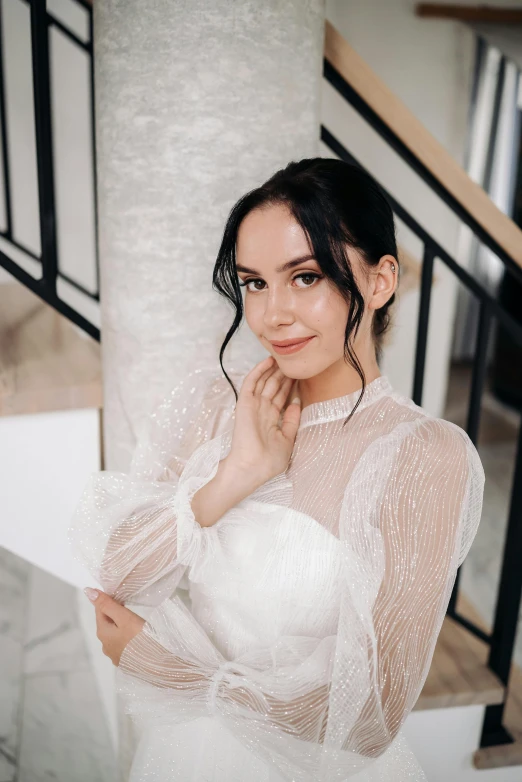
[[137, 531], [145, 545], [134, 531], [231, 484]]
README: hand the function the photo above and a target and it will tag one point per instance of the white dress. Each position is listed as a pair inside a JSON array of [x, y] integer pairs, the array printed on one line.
[[291, 639]]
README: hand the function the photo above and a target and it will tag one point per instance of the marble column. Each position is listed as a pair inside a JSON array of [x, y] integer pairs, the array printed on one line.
[[197, 101]]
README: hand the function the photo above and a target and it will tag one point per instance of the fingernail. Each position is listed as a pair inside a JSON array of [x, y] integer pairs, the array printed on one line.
[[92, 594], [296, 400]]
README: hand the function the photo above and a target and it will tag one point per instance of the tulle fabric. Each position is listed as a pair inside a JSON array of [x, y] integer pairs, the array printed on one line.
[[304, 620]]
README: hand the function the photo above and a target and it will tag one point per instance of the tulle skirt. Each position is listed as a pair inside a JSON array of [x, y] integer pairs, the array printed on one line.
[[205, 750]]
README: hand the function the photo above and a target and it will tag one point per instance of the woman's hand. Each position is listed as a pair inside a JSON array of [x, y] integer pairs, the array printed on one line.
[[115, 624], [260, 446]]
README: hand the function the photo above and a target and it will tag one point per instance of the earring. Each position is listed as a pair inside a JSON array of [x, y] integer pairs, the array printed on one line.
[[393, 267]]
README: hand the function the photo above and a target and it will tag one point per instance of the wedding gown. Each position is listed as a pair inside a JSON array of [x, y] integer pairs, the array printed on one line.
[[291, 639]]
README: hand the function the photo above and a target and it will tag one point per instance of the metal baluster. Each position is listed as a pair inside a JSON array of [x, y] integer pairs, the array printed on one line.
[[423, 322], [507, 609], [44, 155], [478, 379], [5, 139]]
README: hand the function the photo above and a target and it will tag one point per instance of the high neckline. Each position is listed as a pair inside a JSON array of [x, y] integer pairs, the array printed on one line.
[[342, 406]]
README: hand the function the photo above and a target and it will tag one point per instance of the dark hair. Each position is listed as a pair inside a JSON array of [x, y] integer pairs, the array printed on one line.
[[335, 203]]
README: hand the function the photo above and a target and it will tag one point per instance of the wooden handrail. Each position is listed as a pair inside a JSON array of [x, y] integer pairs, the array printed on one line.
[[412, 133], [467, 13]]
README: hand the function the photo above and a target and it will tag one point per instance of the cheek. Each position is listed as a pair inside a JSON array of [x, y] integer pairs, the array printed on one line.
[[326, 312], [253, 314]]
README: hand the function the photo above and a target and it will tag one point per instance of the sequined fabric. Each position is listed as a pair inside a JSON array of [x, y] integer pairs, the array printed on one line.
[[291, 639]]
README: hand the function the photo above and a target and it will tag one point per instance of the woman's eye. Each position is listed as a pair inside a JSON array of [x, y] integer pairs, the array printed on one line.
[[246, 284], [308, 279], [257, 284]]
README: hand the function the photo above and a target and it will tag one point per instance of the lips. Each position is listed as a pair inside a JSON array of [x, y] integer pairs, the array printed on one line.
[[285, 342], [291, 345]]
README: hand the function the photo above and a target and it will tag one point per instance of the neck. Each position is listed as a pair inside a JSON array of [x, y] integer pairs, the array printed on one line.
[[336, 380]]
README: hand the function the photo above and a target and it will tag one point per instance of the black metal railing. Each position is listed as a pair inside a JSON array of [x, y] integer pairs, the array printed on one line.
[[501, 640], [45, 285]]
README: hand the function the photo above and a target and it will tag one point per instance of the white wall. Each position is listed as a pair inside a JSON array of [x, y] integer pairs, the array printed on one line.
[[429, 66]]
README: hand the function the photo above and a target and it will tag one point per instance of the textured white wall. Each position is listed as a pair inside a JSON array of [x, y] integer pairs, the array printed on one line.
[[196, 103]]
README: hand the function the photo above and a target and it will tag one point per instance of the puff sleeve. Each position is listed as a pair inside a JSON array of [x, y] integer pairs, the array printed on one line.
[[325, 708], [135, 531]]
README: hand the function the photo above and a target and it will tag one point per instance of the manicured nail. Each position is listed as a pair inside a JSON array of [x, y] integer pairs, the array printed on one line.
[[296, 400], [92, 594]]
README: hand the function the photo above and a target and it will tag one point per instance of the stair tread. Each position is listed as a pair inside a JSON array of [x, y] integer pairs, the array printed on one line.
[[459, 675], [46, 363]]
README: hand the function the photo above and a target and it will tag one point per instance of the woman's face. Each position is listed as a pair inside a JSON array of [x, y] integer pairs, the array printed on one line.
[[287, 298]]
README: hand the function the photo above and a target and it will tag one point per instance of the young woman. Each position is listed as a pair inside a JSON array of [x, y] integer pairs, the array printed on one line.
[[297, 544]]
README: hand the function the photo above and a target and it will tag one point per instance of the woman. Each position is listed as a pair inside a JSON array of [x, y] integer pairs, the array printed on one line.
[[314, 524]]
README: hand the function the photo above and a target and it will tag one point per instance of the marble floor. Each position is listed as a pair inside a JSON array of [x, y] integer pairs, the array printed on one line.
[[52, 725]]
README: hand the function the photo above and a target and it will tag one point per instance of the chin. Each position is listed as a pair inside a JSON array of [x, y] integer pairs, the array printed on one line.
[[298, 369]]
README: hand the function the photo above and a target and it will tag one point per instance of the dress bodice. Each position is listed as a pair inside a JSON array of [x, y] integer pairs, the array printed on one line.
[[278, 568], [279, 576]]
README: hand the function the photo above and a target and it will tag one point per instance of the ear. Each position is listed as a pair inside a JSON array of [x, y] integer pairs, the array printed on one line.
[[383, 281]]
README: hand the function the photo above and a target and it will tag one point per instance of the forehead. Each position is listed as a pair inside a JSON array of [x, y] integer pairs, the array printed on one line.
[[270, 235]]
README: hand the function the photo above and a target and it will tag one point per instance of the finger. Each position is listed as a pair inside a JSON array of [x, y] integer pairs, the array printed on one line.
[[291, 418], [283, 393], [103, 619], [269, 385], [103, 624], [250, 380], [269, 371], [110, 607]]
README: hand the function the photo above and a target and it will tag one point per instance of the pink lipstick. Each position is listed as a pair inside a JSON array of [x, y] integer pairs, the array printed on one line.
[[290, 345]]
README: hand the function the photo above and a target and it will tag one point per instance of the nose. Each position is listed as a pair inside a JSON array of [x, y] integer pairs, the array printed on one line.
[[278, 308]]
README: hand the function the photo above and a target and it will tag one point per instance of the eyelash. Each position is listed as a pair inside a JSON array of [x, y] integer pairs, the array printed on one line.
[[298, 276]]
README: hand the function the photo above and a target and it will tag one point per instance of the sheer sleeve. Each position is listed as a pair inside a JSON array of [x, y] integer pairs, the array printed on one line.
[[324, 708], [135, 531]]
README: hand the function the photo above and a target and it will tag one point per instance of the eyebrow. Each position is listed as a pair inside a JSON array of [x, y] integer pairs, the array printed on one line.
[[285, 267]]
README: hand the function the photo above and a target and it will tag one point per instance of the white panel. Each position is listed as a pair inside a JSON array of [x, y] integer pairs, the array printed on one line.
[[73, 159], [444, 741], [20, 123], [3, 200], [71, 14], [25, 261], [45, 462]]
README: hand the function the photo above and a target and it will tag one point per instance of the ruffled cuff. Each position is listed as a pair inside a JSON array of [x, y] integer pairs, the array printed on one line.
[[199, 471], [136, 537], [165, 671]]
